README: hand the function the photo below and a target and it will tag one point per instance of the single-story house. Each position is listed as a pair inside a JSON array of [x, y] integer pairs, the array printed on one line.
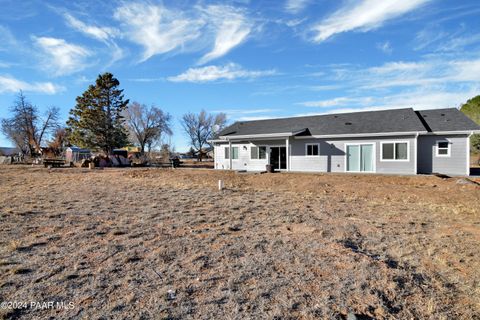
[[398, 141]]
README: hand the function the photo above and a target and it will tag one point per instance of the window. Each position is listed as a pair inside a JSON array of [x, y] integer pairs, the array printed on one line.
[[393, 151], [234, 153], [258, 152], [312, 149], [443, 149]]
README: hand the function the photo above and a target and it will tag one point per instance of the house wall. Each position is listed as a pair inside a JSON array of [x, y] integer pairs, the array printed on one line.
[[332, 155], [243, 162], [455, 164], [331, 159]]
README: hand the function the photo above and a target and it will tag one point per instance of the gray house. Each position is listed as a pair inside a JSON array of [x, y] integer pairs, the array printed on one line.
[[400, 141]]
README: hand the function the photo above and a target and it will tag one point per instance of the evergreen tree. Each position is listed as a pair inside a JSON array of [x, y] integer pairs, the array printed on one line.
[[472, 109], [96, 121]]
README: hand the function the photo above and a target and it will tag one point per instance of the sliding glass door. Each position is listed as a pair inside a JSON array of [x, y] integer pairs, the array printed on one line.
[[360, 157]]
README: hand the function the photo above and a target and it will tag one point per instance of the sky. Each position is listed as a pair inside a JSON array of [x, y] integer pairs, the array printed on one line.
[[249, 59]]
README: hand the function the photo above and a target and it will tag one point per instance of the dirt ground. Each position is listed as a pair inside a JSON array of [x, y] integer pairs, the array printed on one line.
[[166, 244]]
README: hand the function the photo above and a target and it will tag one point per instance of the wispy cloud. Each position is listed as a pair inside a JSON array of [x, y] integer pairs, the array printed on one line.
[[385, 47], [156, 28], [103, 34], [231, 29], [296, 6], [364, 16], [9, 84], [7, 39], [61, 57], [245, 111], [229, 71], [340, 101], [161, 30]]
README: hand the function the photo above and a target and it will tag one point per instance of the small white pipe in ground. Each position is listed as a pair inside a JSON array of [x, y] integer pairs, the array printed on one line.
[[220, 185]]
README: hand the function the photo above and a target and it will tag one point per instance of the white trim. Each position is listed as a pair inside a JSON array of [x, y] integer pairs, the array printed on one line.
[[353, 135], [451, 132], [230, 154], [415, 153], [258, 146], [374, 156], [468, 154], [449, 149], [312, 144], [287, 155], [394, 147]]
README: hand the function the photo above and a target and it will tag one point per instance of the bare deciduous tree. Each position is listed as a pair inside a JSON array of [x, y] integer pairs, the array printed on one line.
[[202, 127], [26, 128], [146, 125]]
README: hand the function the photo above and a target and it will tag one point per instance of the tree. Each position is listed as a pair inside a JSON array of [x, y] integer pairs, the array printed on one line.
[[96, 121], [146, 125], [27, 129], [472, 109], [202, 127], [59, 141]]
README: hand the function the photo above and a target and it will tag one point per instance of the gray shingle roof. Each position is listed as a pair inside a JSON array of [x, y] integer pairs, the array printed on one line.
[[395, 120], [446, 120], [385, 121]]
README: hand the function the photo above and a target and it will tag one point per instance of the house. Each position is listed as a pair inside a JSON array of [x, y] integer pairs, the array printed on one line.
[[399, 141]]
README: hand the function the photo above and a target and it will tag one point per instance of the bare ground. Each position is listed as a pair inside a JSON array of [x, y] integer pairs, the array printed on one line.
[[150, 244]]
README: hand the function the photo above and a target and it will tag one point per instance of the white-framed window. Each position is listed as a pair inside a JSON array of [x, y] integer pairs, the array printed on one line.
[[395, 151], [258, 152], [312, 149], [443, 148], [234, 153]]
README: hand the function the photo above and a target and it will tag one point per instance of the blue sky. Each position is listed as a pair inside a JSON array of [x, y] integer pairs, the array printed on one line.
[[250, 59]]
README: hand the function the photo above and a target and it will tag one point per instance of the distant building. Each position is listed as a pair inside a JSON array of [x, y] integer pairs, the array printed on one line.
[[75, 154], [8, 151]]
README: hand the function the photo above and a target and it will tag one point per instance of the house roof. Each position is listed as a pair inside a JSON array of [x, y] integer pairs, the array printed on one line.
[[395, 120], [8, 151], [368, 122], [446, 120]]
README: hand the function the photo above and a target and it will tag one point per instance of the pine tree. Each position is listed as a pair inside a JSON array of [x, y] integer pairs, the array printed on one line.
[[96, 121], [472, 109]]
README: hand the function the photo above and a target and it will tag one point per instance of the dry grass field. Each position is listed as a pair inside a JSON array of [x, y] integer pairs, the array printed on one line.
[[166, 244]]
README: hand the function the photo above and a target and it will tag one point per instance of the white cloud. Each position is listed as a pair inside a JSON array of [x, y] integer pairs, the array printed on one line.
[[61, 57], [231, 29], [386, 47], [161, 30], [339, 101], [99, 33], [244, 111], [9, 84], [295, 6], [103, 34], [230, 71], [364, 15], [7, 39], [156, 28]]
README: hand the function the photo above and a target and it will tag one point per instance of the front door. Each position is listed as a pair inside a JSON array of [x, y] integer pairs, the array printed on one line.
[[360, 158], [278, 157]]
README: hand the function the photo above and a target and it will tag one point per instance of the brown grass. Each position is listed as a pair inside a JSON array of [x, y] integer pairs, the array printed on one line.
[[162, 243]]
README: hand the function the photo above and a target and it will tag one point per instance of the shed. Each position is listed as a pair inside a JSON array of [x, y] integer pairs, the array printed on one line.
[[75, 154]]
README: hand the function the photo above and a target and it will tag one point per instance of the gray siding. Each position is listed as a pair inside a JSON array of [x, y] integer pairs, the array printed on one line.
[[455, 164], [332, 155], [331, 159]]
